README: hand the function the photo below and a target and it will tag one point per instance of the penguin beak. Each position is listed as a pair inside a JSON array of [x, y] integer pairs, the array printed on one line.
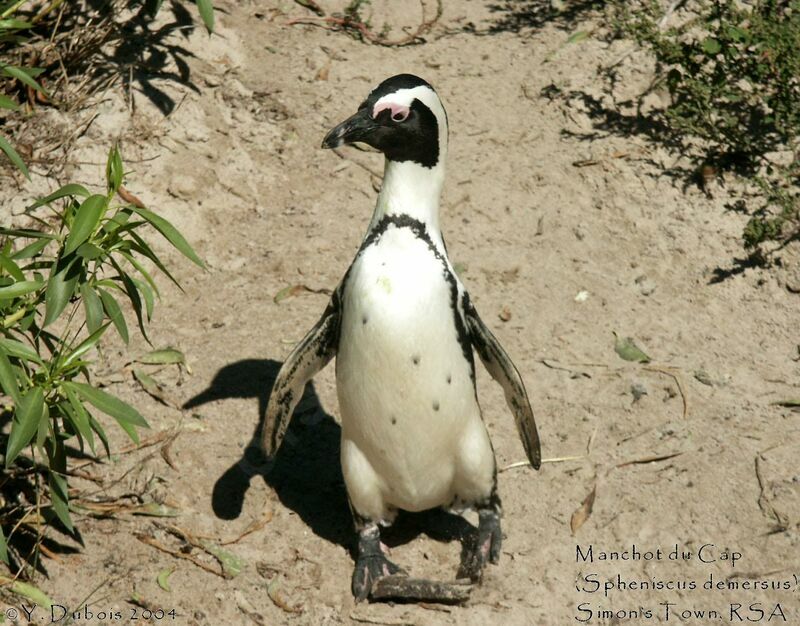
[[355, 128]]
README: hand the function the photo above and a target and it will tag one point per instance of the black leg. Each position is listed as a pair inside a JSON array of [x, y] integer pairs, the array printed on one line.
[[371, 562], [483, 546]]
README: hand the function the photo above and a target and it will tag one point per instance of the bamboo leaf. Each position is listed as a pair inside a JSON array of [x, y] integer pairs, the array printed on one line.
[[25, 424], [60, 289], [206, 9], [86, 220], [20, 350], [92, 306], [72, 189], [86, 345], [80, 417], [114, 313], [7, 263], [8, 378], [20, 288], [126, 415], [170, 233]]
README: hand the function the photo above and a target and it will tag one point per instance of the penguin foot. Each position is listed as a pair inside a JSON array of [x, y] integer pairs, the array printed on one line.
[[371, 564], [485, 547]]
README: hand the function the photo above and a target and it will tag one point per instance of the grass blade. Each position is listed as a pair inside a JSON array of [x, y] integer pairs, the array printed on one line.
[[13, 156]]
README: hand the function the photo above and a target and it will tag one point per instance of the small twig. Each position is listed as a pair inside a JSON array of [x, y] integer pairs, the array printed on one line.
[[151, 541], [764, 502], [251, 528], [676, 377], [350, 22]]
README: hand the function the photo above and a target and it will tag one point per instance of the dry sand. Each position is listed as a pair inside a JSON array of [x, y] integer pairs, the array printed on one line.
[[704, 456]]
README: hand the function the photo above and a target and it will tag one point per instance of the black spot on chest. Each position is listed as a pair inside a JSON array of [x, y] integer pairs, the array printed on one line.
[[420, 231]]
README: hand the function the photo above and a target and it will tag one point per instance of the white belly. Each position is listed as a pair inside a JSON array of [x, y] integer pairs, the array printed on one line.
[[412, 434]]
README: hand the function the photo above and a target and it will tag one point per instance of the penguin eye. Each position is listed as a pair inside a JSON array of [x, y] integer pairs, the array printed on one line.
[[400, 116]]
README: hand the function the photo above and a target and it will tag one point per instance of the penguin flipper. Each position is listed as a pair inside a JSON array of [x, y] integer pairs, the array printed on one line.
[[309, 356], [503, 370]]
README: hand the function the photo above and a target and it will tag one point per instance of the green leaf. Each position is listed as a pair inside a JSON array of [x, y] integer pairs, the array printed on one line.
[[136, 301], [34, 594], [578, 36], [206, 9], [142, 248], [231, 564], [89, 251], [79, 417], [4, 549], [26, 422], [86, 345], [147, 294], [132, 260], [162, 356], [20, 289], [7, 263], [163, 578], [60, 289], [170, 233], [72, 189], [114, 313], [156, 509], [126, 415], [26, 232], [8, 378], [114, 170], [8, 103], [626, 348], [32, 249], [98, 428], [711, 46], [59, 499], [92, 306], [13, 156], [14, 23], [23, 74], [20, 350], [86, 220]]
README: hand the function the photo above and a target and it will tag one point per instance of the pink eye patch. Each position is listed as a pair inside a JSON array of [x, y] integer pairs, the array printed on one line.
[[399, 111]]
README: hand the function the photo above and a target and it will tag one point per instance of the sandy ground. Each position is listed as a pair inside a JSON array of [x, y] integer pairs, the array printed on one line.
[[703, 457]]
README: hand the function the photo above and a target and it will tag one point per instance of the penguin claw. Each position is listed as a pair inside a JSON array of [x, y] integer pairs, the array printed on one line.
[[369, 569], [485, 548]]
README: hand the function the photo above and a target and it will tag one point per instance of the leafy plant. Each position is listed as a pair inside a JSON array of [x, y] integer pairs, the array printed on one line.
[[61, 288], [733, 75]]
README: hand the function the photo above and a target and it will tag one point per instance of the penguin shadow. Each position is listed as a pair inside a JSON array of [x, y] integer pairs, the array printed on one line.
[[306, 474]]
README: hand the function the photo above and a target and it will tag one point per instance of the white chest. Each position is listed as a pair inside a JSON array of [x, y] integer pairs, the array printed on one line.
[[406, 392]]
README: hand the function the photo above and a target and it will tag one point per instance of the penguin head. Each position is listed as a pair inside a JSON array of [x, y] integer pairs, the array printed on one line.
[[403, 118]]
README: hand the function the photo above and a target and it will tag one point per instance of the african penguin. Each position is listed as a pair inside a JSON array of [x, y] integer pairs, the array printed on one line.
[[403, 329]]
